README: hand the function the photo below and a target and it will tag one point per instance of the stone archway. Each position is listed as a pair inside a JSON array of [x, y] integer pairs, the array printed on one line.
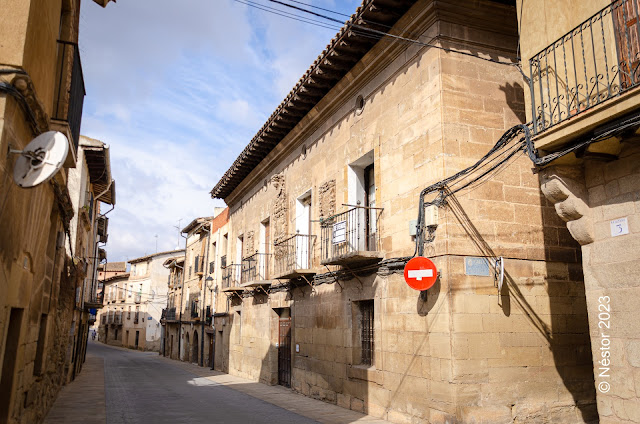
[[194, 354], [187, 347]]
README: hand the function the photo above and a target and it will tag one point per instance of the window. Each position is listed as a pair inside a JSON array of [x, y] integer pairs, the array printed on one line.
[[197, 263], [363, 332], [211, 266]]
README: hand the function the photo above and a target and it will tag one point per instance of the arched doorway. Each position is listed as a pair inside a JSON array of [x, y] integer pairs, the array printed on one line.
[[194, 355], [186, 347]]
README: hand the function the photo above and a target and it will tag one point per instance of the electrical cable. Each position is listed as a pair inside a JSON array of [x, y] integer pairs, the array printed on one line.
[[320, 8], [382, 34], [287, 15]]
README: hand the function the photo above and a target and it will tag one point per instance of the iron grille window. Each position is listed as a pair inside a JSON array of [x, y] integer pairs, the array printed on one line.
[[366, 311], [211, 266]]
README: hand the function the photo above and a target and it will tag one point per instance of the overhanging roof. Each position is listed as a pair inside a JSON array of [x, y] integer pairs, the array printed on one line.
[[96, 154], [144, 258], [342, 53], [195, 223]]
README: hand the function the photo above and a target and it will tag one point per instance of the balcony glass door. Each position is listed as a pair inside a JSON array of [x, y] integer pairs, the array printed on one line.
[[303, 223]]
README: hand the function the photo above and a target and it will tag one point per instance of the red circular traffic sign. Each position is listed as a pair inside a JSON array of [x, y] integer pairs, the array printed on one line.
[[420, 273]]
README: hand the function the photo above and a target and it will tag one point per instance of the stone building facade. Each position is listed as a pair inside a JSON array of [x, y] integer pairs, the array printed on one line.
[[188, 319], [584, 109], [146, 296], [322, 207], [110, 318], [170, 320], [40, 90], [90, 185]]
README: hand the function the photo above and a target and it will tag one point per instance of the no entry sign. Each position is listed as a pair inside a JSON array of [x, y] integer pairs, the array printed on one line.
[[420, 273]]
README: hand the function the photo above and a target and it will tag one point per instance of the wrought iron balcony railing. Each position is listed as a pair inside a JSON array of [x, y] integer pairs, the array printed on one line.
[[594, 62], [255, 267], [349, 232], [231, 275], [293, 253], [169, 314], [70, 89], [195, 312]]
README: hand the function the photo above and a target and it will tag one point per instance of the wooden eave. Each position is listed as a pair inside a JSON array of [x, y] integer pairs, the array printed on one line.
[[338, 58]]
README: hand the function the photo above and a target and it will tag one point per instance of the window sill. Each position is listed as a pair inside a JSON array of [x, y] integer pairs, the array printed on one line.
[[365, 372]]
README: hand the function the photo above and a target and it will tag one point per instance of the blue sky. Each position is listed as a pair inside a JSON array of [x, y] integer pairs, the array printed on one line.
[[177, 89]]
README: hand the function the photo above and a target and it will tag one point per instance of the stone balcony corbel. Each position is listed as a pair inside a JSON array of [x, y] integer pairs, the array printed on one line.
[[564, 187]]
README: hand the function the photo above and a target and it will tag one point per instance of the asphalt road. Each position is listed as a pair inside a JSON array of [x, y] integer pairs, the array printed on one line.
[[141, 389]]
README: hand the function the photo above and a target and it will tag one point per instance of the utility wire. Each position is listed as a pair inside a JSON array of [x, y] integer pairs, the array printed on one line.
[[287, 15], [320, 8], [382, 34]]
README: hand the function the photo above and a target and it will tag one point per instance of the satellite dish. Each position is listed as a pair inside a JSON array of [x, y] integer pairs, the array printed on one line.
[[41, 159]]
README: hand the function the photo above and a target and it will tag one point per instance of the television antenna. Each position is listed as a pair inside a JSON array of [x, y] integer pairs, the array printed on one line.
[[41, 159]]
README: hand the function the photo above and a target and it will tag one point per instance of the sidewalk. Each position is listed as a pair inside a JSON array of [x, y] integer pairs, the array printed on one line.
[[83, 400], [281, 396]]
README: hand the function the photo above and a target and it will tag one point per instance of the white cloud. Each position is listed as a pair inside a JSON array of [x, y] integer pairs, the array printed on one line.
[[178, 89]]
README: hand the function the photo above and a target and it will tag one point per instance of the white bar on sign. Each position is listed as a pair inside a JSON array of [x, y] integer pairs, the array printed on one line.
[[419, 274]]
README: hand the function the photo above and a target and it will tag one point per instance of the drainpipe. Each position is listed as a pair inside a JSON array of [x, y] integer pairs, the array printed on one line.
[[181, 295], [204, 287]]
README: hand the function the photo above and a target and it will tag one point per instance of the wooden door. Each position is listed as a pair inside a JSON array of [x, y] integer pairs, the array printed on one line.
[[627, 25], [284, 352]]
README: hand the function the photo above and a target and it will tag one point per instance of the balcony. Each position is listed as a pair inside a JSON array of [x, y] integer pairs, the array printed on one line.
[[69, 92], [208, 315], [255, 269], [587, 76], [351, 238], [95, 301], [231, 275], [169, 314], [195, 314], [136, 317], [137, 298], [292, 257], [118, 318]]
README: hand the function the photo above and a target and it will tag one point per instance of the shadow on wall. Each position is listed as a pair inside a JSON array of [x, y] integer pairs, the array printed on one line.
[[222, 324], [514, 96], [568, 335]]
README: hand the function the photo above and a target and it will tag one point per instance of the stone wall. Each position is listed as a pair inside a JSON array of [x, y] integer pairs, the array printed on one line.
[[466, 353], [601, 203]]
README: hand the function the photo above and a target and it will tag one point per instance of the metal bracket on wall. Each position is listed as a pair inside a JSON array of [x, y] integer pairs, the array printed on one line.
[[335, 278], [356, 277]]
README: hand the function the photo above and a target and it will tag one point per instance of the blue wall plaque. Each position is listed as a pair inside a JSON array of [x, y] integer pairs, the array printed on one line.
[[476, 266]]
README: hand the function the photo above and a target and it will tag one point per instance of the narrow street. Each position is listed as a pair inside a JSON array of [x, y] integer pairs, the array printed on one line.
[[142, 387]]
